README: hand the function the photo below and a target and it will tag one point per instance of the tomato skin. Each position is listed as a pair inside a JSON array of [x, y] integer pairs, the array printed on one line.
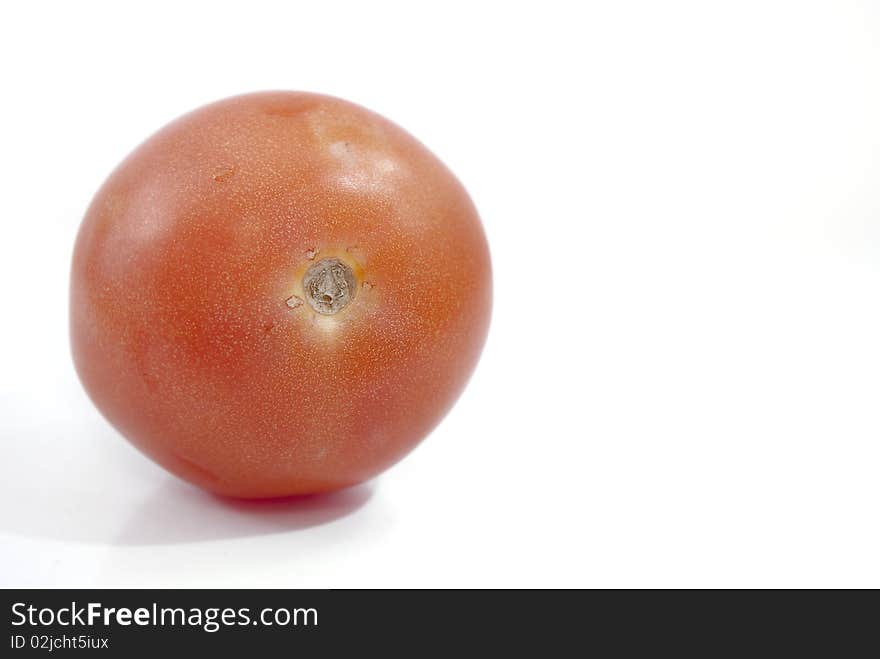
[[187, 324]]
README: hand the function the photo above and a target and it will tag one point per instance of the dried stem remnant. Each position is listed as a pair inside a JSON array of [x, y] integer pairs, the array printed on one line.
[[329, 286]]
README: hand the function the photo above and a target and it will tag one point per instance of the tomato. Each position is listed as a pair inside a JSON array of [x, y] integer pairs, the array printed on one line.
[[279, 293]]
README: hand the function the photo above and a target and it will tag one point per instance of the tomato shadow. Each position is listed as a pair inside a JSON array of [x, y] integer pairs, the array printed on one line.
[[181, 514], [96, 490]]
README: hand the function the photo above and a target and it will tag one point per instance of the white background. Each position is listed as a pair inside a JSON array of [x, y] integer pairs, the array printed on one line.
[[682, 379]]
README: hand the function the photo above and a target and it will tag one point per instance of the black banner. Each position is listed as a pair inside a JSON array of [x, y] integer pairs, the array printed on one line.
[[543, 623]]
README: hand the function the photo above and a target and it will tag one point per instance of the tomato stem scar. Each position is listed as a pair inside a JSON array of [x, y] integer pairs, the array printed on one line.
[[329, 285]]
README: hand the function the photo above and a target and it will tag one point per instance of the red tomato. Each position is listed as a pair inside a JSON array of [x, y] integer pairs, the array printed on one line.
[[279, 293]]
